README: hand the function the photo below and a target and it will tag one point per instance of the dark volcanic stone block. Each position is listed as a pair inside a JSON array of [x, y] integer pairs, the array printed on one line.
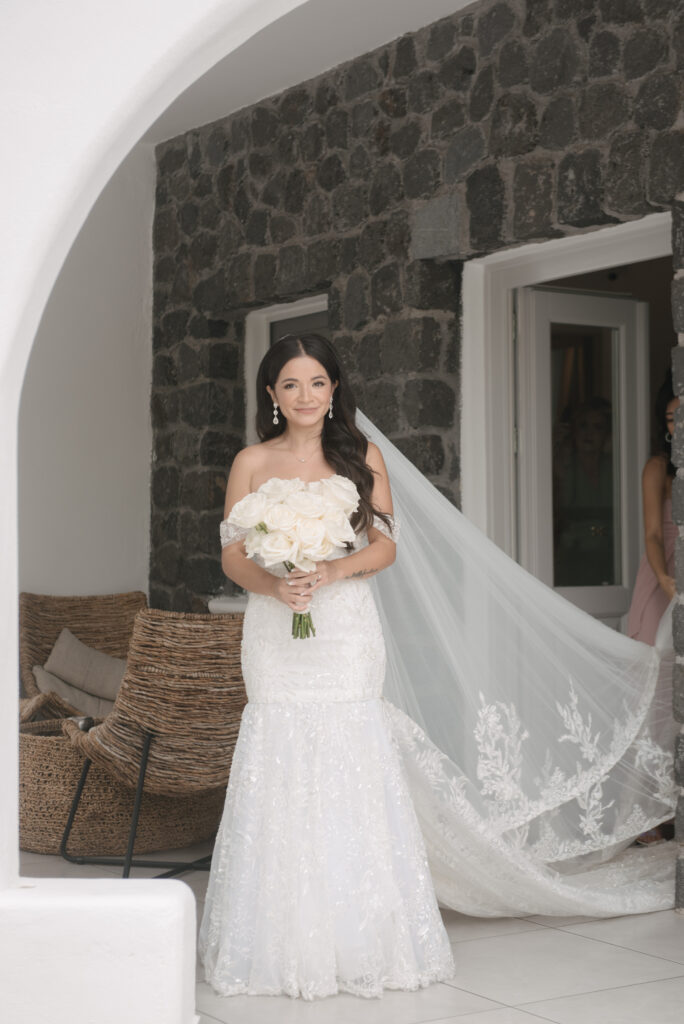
[[410, 345], [554, 63], [603, 106], [432, 285], [666, 171], [514, 125], [465, 150], [493, 26], [657, 102], [203, 404], [533, 199], [558, 127], [429, 403], [425, 451], [421, 174], [580, 189], [485, 199], [386, 294], [626, 173]]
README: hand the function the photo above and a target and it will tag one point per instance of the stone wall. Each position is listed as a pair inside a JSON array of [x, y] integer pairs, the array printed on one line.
[[510, 122]]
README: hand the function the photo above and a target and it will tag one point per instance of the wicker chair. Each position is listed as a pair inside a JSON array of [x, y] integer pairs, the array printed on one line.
[[102, 621], [175, 720]]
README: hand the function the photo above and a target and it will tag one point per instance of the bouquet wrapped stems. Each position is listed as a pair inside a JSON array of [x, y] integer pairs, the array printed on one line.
[[302, 623]]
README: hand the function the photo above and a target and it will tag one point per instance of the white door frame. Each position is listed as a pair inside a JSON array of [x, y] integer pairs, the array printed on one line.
[[257, 340], [627, 318], [488, 372]]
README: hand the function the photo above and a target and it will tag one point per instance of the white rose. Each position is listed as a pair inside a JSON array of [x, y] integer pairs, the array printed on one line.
[[280, 517], [304, 503], [253, 542], [338, 527], [277, 489], [278, 547], [250, 511], [314, 542], [341, 492]]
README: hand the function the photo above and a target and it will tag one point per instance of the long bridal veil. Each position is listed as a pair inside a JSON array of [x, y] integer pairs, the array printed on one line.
[[537, 741]]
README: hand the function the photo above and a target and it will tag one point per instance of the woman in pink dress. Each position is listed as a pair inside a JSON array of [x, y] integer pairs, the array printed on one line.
[[655, 586]]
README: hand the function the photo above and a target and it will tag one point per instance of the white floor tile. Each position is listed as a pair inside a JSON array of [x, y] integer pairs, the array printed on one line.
[[660, 1002], [37, 865], [433, 1003], [660, 934], [549, 964], [505, 1015], [559, 922], [461, 928]]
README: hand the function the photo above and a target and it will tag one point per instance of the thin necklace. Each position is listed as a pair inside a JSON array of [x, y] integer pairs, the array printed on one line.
[[303, 460], [307, 458]]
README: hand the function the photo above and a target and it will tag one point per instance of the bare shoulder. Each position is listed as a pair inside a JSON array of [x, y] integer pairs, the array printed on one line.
[[246, 465], [374, 458], [655, 471]]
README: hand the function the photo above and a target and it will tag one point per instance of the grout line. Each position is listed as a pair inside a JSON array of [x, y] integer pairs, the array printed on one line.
[[597, 991], [628, 949]]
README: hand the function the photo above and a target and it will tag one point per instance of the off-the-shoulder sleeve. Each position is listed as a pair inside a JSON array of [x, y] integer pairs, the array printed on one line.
[[230, 533], [392, 531]]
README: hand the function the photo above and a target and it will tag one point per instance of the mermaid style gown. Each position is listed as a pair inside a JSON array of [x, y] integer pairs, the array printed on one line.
[[319, 881]]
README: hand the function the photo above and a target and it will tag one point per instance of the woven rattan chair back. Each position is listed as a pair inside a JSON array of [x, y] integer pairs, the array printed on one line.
[[183, 686], [104, 621]]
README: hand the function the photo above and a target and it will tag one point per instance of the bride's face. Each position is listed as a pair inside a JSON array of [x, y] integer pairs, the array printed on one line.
[[303, 390]]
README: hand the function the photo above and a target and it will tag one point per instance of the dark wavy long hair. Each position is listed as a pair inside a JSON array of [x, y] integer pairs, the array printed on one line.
[[663, 399], [344, 446]]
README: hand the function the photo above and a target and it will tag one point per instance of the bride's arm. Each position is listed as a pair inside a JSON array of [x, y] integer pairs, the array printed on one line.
[[242, 570], [381, 551]]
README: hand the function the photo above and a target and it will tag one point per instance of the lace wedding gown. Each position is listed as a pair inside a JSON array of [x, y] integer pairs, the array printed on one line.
[[480, 735], [319, 881]]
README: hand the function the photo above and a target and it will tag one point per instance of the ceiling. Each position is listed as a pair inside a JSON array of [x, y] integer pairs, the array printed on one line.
[[314, 37]]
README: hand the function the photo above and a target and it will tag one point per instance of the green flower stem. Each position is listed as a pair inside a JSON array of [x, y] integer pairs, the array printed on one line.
[[302, 623]]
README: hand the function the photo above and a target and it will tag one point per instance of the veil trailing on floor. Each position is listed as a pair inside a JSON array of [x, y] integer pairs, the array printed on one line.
[[537, 741]]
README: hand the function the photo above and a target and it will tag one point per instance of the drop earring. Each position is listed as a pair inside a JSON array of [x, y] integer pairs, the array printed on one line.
[[275, 414], [668, 438], [330, 415]]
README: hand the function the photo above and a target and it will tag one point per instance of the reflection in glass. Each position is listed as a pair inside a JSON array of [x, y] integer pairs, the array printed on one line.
[[586, 511]]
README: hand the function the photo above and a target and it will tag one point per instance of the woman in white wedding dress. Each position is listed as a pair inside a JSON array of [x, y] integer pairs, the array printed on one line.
[[480, 739], [319, 881]]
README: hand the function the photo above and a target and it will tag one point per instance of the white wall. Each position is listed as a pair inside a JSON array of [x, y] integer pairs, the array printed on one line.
[[84, 421]]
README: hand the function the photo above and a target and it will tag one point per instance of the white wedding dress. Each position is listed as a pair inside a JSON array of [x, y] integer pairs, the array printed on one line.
[[497, 748]]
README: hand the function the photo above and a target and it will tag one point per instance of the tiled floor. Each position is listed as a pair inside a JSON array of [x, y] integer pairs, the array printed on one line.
[[626, 970]]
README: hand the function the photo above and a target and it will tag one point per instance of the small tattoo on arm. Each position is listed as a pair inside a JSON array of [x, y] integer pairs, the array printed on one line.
[[360, 573]]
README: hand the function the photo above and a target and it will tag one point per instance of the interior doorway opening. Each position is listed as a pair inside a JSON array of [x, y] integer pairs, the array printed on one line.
[[489, 372]]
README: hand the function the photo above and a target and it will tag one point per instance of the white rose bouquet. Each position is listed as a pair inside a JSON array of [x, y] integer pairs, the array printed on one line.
[[298, 524]]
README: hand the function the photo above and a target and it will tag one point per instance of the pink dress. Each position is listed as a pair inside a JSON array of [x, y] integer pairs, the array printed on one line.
[[649, 600]]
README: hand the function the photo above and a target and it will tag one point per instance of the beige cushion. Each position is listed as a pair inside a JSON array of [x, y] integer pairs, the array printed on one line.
[[86, 703], [85, 668]]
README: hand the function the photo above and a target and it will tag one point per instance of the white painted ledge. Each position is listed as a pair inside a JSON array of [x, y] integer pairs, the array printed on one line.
[[74, 952], [224, 604]]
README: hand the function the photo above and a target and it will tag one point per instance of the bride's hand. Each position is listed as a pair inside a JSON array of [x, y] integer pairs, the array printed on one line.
[[296, 596], [306, 583]]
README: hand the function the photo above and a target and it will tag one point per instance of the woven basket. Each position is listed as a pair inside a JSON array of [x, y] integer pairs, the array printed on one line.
[[49, 770]]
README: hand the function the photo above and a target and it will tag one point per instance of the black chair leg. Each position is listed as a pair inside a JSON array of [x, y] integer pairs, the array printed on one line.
[[136, 805], [127, 862]]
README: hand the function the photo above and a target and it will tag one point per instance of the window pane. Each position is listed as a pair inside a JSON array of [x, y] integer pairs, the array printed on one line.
[[310, 323], [586, 458]]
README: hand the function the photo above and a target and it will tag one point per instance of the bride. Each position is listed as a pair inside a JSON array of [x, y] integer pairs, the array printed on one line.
[[467, 736]]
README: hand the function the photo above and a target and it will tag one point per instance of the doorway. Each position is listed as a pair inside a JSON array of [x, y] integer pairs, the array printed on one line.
[[600, 303]]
